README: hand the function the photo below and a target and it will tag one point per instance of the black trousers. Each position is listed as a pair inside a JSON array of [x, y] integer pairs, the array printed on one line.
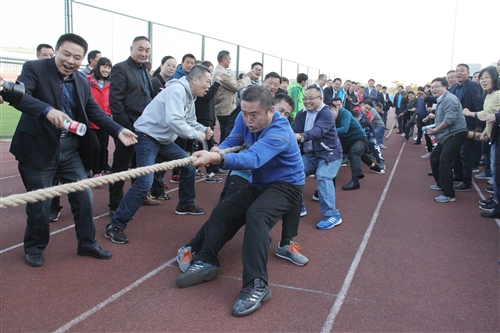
[[356, 153], [259, 210], [442, 162]]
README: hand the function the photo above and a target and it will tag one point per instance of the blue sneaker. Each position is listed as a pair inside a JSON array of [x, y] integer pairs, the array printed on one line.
[[303, 211], [329, 222]]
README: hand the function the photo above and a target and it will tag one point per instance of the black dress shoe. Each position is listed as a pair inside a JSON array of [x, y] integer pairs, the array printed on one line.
[[430, 173], [462, 187], [417, 143], [34, 260], [96, 252], [491, 215], [351, 186]]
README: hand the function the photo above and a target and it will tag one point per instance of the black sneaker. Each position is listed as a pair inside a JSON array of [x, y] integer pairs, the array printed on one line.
[[197, 272], [489, 205], [490, 190], [250, 298], [54, 216], [486, 201], [115, 234], [193, 210], [315, 196], [375, 168], [163, 196]]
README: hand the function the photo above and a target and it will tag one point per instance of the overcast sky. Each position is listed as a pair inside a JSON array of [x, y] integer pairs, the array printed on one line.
[[386, 40]]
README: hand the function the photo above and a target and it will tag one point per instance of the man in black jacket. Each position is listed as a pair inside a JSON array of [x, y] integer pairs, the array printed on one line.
[[130, 92], [44, 148]]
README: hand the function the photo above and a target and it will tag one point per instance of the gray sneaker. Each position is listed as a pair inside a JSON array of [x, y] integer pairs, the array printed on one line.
[[444, 198], [291, 252], [184, 257], [198, 272], [381, 165]]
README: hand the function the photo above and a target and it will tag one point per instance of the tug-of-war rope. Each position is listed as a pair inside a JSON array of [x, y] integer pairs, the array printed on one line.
[[56, 191]]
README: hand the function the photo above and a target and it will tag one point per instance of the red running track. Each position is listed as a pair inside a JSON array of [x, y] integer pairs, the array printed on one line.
[[399, 262]]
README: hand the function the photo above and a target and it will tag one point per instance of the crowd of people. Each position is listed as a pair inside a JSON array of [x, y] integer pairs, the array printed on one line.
[[289, 131]]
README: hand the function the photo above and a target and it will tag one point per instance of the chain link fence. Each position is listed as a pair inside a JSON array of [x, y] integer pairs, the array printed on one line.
[[113, 36]]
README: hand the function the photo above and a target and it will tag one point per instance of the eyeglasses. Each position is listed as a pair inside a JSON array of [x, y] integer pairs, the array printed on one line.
[[310, 98]]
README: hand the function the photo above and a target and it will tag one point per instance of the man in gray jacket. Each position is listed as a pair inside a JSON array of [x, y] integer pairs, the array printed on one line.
[[170, 114], [451, 132]]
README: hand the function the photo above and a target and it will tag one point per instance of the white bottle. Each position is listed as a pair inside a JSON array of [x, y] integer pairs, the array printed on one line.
[[75, 127]]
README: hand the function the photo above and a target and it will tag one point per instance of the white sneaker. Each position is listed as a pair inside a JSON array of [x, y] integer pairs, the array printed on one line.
[[428, 155]]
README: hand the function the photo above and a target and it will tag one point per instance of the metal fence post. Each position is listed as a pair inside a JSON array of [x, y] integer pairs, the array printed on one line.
[[150, 36], [237, 61], [203, 48], [68, 16]]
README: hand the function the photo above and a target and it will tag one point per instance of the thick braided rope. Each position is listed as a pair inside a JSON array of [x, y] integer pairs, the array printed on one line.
[[56, 191]]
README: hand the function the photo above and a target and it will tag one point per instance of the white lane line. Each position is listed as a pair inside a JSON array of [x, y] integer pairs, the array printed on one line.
[[328, 324], [52, 233], [483, 198], [112, 298], [8, 177], [72, 226]]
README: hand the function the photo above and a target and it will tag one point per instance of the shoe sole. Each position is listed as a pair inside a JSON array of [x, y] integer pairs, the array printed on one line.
[[444, 201], [87, 254], [381, 172], [329, 227], [255, 307], [114, 240], [486, 209], [463, 189], [290, 259], [192, 279], [188, 213], [303, 214], [159, 198], [483, 177]]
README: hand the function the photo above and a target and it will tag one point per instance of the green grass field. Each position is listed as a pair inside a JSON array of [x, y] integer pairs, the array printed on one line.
[[9, 117]]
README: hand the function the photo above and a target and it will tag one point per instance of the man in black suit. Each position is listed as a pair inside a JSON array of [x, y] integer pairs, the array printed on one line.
[[130, 92], [332, 91], [45, 149]]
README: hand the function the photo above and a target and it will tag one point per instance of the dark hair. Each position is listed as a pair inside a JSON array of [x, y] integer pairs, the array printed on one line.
[[314, 88], [451, 71], [427, 85], [158, 70], [442, 80], [302, 77], [384, 87], [380, 105], [103, 61], [197, 71], [355, 113], [337, 79], [368, 103], [354, 82], [92, 54], [492, 70], [371, 80], [321, 76], [222, 54], [255, 64], [347, 81], [72, 38], [258, 94], [41, 46], [241, 76], [284, 79], [188, 55], [335, 99], [464, 65], [207, 64], [138, 38], [411, 92], [401, 87], [273, 74], [476, 73], [284, 97], [420, 88]]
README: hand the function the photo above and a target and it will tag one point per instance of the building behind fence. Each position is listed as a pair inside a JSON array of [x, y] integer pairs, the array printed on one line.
[[50, 19]]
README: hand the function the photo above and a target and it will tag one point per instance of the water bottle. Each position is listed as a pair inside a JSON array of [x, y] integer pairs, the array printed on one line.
[[75, 127], [433, 137]]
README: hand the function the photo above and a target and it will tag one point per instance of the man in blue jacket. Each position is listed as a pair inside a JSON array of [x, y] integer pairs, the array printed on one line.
[[316, 132], [274, 188]]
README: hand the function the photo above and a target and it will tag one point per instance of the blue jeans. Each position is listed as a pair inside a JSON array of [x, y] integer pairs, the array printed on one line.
[[146, 151], [379, 134], [68, 167], [324, 172]]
